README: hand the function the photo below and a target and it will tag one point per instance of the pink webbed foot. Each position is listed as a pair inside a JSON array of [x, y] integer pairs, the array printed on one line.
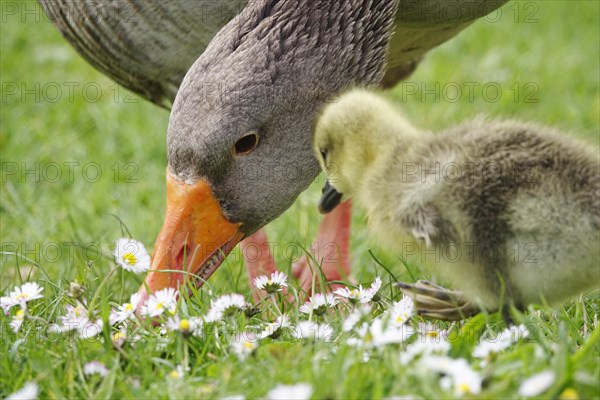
[[331, 250]]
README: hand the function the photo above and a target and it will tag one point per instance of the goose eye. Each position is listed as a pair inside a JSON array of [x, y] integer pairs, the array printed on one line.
[[324, 154], [246, 144]]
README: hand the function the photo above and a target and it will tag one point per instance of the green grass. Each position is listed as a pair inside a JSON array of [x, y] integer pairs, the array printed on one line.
[[57, 225]]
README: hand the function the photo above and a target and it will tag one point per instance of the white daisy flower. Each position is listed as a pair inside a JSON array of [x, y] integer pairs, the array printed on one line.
[[17, 320], [77, 311], [431, 330], [118, 338], [77, 319], [274, 329], [439, 364], [76, 316], [313, 331], [372, 293], [273, 284], [125, 311], [318, 304], [29, 391], [402, 311], [300, 391], [537, 384], [381, 335], [465, 380], [516, 333], [174, 324], [90, 329], [6, 304], [460, 377], [177, 373], [225, 306], [428, 342], [377, 334], [487, 349], [21, 295], [243, 344], [159, 302], [352, 295], [356, 316], [95, 367], [131, 255], [133, 340], [490, 345], [187, 326]]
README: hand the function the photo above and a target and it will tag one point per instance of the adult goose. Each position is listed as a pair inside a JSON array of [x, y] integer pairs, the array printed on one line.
[[245, 81]]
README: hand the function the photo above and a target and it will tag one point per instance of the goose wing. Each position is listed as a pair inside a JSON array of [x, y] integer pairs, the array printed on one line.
[[145, 45], [149, 45]]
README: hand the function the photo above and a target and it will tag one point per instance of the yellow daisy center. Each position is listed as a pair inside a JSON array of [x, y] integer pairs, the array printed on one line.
[[20, 314], [432, 334], [128, 307], [464, 388], [569, 394], [174, 374], [130, 258], [159, 306], [248, 345], [118, 336], [184, 325], [23, 296]]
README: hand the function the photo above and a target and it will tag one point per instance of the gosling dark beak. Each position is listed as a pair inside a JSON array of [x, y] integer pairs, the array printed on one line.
[[330, 199]]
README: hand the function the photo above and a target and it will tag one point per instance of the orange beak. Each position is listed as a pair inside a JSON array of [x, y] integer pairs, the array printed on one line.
[[194, 240]]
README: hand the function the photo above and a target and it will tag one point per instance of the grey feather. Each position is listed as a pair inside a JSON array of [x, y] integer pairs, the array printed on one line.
[[263, 66]]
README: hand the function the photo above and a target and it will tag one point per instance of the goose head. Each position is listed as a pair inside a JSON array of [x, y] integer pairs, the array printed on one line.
[[355, 137], [240, 133]]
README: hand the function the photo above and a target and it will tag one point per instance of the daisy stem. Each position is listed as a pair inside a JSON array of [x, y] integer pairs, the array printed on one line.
[[122, 284], [275, 304], [92, 302], [79, 371], [185, 356], [34, 318], [262, 299]]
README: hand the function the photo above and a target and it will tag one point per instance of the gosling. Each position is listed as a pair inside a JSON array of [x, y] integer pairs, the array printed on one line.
[[506, 212]]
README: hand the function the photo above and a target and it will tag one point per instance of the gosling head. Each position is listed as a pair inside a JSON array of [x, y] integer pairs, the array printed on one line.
[[350, 136]]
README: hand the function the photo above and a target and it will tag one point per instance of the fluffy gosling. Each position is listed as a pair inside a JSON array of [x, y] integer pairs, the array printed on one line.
[[506, 212]]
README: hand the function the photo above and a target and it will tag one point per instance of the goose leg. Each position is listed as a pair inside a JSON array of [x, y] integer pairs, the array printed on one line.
[[331, 250], [434, 301], [257, 256]]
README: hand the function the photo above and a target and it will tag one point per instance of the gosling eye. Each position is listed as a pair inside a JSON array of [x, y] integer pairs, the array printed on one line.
[[246, 144], [324, 154]]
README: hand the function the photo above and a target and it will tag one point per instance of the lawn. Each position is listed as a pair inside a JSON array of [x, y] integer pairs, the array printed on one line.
[[83, 165]]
